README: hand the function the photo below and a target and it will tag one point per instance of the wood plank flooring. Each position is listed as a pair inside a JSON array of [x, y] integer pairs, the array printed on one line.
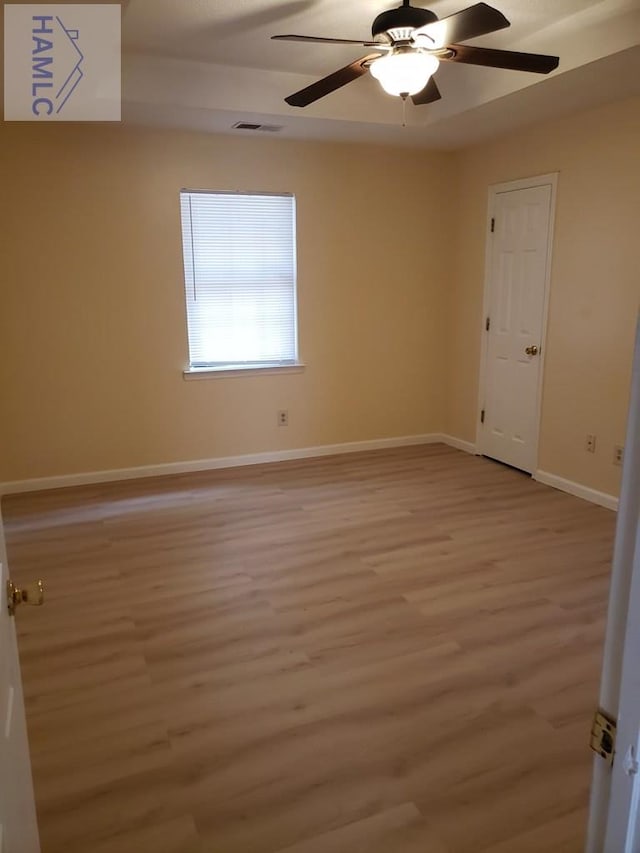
[[391, 652]]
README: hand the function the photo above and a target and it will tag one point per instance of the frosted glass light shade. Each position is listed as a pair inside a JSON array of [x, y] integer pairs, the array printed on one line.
[[404, 73]]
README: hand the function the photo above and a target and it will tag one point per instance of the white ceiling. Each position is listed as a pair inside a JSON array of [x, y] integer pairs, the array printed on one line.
[[207, 64]]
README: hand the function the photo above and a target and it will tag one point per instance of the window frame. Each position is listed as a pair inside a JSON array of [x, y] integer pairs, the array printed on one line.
[[249, 368]]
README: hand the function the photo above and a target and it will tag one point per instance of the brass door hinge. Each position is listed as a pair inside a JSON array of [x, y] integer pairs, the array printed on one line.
[[32, 594], [603, 736]]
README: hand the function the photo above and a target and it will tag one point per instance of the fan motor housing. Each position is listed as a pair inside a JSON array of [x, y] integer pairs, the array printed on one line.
[[404, 17]]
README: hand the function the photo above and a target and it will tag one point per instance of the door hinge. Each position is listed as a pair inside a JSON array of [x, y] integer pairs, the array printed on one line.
[[603, 736], [493, 224], [482, 416], [32, 594], [487, 325]]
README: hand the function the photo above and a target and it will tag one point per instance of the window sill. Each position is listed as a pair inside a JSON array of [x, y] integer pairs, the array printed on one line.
[[230, 372]]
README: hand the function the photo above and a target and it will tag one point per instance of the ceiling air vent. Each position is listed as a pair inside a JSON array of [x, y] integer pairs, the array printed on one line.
[[265, 128]]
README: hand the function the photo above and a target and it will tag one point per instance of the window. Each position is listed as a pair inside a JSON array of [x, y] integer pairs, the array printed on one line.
[[240, 279]]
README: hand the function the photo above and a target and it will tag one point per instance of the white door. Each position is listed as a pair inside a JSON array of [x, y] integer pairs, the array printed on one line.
[[614, 821], [518, 258], [18, 827], [623, 820]]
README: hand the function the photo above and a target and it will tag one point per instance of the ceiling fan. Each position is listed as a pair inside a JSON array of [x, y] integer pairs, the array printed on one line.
[[410, 43]]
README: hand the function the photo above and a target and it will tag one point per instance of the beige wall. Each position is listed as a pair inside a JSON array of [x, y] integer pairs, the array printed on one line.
[[391, 263], [92, 320], [595, 283]]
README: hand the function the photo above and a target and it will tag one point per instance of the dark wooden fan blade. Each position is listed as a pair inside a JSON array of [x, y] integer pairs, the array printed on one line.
[[475, 21], [317, 39], [428, 95], [329, 84], [538, 63]]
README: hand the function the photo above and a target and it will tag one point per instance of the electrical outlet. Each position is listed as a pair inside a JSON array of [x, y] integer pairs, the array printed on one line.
[[283, 417], [618, 454], [590, 444]]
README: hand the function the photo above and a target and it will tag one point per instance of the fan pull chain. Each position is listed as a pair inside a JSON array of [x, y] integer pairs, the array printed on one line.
[[404, 110]]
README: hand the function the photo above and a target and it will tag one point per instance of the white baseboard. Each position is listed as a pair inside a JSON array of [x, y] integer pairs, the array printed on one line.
[[577, 489], [459, 443], [167, 468], [140, 472]]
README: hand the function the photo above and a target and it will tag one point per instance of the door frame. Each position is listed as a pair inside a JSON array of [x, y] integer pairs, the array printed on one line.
[[550, 179]]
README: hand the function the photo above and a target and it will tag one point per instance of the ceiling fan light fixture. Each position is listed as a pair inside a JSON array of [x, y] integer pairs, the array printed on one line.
[[404, 72]]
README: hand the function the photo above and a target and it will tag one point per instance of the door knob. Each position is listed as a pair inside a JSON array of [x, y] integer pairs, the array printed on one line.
[[532, 350], [32, 594]]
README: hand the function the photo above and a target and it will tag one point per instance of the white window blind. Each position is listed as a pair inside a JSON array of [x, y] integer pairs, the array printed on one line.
[[240, 279]]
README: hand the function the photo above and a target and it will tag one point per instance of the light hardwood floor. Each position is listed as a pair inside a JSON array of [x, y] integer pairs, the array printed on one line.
[[391, 652]]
